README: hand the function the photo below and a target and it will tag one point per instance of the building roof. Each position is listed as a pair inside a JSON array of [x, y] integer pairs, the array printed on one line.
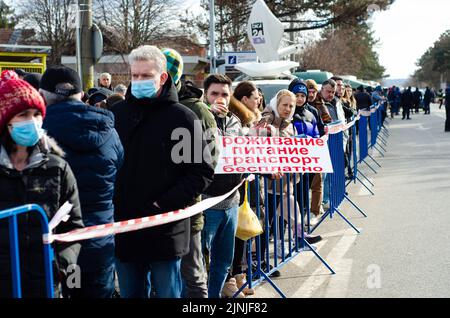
[[5, 35]]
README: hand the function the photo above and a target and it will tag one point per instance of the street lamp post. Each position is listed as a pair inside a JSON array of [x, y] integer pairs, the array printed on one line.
[[85, 45], [212, 38]]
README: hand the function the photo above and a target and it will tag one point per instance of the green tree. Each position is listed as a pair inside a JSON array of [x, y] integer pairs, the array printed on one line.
[[434, 64], [302, 15], [8, 19]]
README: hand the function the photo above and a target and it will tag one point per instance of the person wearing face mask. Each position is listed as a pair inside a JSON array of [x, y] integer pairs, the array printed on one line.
[[32, 170], [167, 166], [95, 153]]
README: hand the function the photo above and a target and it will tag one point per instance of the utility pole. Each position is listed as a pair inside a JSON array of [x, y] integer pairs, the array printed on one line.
[[212, 38], [87, 60]]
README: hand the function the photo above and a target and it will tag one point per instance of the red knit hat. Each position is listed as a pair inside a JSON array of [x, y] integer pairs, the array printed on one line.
[[16, 96], [7, 75]]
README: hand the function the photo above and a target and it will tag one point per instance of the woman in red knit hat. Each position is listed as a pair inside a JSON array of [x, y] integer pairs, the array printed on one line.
[[32, 171]]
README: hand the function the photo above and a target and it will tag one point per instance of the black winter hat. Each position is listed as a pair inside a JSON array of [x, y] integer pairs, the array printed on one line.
[[97, 94], [60, 74], [294, 82], [20, 72], [34, 79]]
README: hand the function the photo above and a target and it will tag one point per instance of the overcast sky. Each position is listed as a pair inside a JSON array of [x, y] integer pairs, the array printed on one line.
[[407, 30]]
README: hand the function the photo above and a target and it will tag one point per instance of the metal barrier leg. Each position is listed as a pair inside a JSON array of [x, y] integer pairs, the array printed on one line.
[[356, 207], [382, 138], [365, 186], [368, 180], [374, 161], [346, 220], [382, 148], [340, 214], [370, 165], [318, 256], [380, 151], [15, 259]]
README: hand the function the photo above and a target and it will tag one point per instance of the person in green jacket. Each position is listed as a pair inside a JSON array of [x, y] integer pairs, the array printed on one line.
[[192, 268]]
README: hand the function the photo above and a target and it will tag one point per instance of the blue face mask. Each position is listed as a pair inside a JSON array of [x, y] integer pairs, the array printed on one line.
[[143, 89], [26, 133]]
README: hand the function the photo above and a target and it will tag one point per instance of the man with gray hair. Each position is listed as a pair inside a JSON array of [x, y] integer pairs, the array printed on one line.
[[104, 81], [94, 152], [157, 176]]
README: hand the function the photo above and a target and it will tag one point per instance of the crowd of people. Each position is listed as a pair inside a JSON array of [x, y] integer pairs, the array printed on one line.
[[110, 153]]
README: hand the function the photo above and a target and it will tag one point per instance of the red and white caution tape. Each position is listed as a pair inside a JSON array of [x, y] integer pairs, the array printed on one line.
[[138, 224]]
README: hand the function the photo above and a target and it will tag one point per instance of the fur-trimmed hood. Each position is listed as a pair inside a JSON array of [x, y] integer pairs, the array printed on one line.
[[245, 115]]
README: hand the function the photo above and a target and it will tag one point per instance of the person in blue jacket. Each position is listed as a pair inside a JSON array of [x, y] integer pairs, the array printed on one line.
[[95, 153], [305, 123]]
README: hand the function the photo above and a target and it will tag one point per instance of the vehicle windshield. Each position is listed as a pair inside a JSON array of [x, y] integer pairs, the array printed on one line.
[[270, 90]]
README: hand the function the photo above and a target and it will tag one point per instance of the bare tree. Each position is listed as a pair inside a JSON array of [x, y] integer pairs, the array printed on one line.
[[344, 51], [301, 15], [126, 24], [49, 19]]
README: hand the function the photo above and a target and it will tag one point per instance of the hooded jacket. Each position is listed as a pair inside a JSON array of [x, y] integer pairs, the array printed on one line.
[[151, 174], [305, 122], [49, 182], [270, 116], [95, 153], [286, 128], [190, 97]]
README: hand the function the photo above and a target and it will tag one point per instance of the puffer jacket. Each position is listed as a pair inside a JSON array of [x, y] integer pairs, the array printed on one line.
[[95, 153], [305, 123], [49, 182]]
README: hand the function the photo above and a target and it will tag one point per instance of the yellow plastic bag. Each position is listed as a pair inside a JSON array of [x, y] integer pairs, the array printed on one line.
[[248, 223]]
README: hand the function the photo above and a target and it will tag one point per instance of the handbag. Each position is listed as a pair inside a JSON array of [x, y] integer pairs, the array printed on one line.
[[248, 222]]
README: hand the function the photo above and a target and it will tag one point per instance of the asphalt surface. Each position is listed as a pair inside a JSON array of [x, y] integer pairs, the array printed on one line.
[[404, 246]]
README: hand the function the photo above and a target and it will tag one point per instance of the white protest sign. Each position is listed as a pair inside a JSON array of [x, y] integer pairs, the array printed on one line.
[[240, 154]]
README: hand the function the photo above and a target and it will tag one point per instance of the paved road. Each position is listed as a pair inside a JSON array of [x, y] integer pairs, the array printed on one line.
[[404, 247]]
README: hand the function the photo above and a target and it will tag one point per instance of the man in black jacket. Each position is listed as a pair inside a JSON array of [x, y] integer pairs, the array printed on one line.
[[407, 101], [155, 177], [417, 97], [193, 270], [447, 108], [363, 99]]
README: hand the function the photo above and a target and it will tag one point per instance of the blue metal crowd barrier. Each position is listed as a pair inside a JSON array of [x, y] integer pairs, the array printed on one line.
[[364, 146], [336, 181], [374, 130], [296, 194], [354, 154], [382, 131], [12, 215], [296, 241], [279, 221]]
